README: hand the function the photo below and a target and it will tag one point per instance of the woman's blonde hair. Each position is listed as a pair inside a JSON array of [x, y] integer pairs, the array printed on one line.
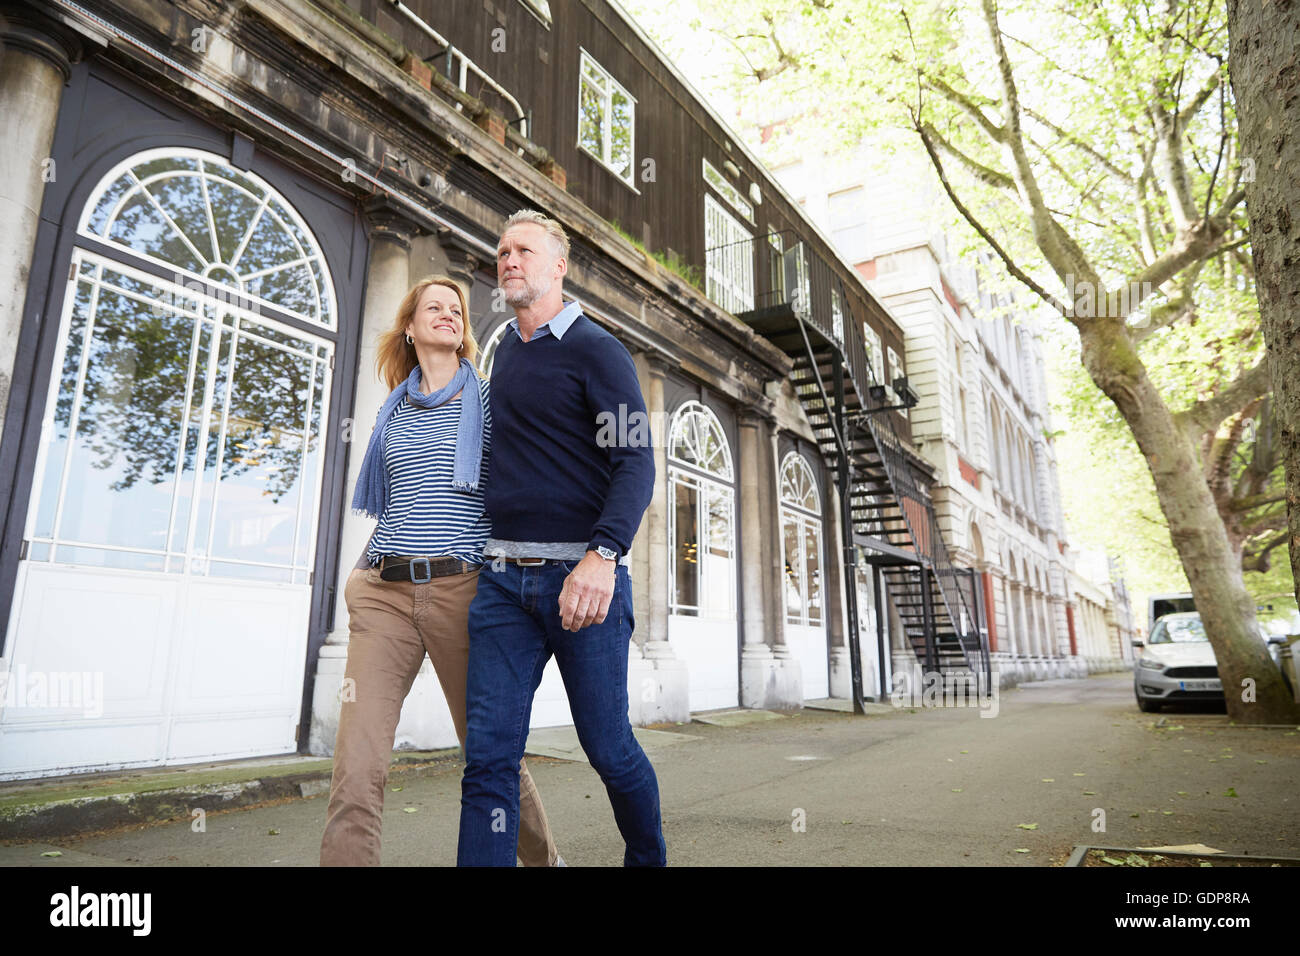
[[397, 356]]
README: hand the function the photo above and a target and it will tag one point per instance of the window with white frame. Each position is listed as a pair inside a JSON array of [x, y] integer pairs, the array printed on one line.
[[801, 535], [606, 115], [487, 352], [776, 266], [727, 191], [895, 370], [728, 260], [701, 515], [541, 9], [875, 353]]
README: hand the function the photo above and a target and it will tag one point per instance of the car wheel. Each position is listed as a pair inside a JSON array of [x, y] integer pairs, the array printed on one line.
[[1149, 706]]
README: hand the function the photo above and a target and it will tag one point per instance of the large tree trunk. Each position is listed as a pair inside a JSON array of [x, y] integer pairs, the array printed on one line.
[[1264, 64], [1252, 684]]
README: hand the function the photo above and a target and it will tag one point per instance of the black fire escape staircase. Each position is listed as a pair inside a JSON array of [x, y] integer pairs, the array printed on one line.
[[887, 518]]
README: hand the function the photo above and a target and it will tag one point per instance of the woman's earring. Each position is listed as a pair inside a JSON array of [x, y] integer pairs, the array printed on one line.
[[409, 340]]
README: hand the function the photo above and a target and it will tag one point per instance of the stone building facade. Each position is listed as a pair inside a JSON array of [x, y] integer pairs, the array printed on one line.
[[214, 211], [983, 422]]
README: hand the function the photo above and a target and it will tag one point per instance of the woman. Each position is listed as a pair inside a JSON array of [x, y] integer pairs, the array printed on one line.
[[422, 477]]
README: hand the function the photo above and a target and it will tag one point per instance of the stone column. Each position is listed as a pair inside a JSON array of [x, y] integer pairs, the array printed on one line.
[[35, 64], [387, 281], [658, 682], [770, 675]]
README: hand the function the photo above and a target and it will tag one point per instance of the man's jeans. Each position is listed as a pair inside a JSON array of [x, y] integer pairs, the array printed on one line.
[[514, 628]]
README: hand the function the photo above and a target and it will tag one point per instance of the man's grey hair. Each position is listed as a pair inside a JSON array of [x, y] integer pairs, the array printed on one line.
[[554, 231]]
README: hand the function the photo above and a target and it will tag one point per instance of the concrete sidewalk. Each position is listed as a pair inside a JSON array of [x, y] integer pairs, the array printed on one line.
[[907, 786], [89, 803]]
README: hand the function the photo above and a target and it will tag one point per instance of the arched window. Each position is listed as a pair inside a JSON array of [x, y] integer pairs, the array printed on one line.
[[185, 428], [191, 211], [488, 350], [701, 514], [801, 534]]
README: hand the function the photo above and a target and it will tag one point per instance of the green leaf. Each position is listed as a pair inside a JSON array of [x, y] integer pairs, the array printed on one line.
[[52, 853], [410, 809], [1021, 849], [273, 832], [1112, 861], [1230, 792]]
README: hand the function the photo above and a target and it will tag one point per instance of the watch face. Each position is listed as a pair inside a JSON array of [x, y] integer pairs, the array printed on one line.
[[607, 554]]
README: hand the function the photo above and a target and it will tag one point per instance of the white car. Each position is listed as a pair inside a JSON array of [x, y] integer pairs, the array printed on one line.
[[1177, 664]]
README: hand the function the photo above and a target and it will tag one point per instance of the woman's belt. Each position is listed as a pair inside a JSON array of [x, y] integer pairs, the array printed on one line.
[[419, 570]]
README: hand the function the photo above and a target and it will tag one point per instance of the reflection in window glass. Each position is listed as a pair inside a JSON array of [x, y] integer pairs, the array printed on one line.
[[812, 561], [717, 571], [128, 418], [794, 570], [190, 210], [685, 544], [192, 438], [606, 119]]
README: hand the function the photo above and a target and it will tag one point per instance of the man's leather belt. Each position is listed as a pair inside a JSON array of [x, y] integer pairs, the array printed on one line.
[[422, 570]]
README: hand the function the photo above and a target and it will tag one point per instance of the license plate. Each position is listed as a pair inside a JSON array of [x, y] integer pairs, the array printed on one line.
[[1214, 684]]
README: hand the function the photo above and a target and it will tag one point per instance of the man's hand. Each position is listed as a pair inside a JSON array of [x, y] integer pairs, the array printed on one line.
[[587, 591]]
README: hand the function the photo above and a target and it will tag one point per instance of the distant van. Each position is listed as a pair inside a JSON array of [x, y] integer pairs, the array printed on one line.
[[1158, 605]]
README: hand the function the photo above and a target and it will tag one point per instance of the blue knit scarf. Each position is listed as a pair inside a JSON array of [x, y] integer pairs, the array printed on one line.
[[371, 494]]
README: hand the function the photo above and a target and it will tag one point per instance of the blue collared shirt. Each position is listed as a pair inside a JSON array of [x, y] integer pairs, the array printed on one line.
[[556, 325]]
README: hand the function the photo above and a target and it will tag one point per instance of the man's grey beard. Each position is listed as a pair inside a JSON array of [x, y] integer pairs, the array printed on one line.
[[529, 294]]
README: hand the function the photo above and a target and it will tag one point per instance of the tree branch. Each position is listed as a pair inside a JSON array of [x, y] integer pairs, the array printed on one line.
[[975, 224], [1207, 414], [984, 174], [1257, 559]]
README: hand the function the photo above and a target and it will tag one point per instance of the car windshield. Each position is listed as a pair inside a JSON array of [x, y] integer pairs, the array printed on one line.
[[1181, 630]]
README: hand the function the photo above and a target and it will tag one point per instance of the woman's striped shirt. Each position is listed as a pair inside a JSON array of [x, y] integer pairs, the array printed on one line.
[[425, 515]]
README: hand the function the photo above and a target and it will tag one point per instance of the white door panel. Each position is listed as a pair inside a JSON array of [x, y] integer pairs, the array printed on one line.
[[709, 648]]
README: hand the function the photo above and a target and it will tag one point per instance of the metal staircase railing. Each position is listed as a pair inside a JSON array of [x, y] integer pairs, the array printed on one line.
[[804, 309]]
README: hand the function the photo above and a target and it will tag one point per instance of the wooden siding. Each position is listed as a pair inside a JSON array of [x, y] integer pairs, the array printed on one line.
[[539, 65]]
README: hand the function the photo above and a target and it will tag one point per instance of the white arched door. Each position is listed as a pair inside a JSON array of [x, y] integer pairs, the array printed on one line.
[[801, 542], [702, 556], [162, 601]]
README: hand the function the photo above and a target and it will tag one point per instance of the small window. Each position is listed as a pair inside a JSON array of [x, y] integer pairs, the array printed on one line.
[[727, 191], [875, 354], [776, 268], [605, 119], [728, 259], [541, 9]]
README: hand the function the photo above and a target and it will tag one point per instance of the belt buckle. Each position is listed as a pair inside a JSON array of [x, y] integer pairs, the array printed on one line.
[[428, 571], [530, 562]]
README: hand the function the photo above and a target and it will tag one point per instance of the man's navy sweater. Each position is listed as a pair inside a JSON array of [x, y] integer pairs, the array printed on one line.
[[549, 480]]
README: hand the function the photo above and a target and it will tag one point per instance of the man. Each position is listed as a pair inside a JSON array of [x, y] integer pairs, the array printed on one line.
[[564, 511]]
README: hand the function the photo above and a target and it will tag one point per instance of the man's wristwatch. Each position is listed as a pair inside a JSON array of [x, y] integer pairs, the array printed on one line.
[[606, 553]]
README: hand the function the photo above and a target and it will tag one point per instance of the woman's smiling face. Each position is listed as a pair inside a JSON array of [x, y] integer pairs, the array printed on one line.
[[438, 322]]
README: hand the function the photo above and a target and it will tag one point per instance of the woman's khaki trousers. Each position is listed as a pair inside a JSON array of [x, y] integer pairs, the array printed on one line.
[[392, 625]]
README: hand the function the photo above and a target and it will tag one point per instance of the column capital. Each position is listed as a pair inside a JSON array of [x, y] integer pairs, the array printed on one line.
[[657, 362], [761, 413], [28, 28], [387, 220], [463, 260]]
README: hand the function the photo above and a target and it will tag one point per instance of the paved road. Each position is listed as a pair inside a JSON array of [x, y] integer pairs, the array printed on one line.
[[928, 787]]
